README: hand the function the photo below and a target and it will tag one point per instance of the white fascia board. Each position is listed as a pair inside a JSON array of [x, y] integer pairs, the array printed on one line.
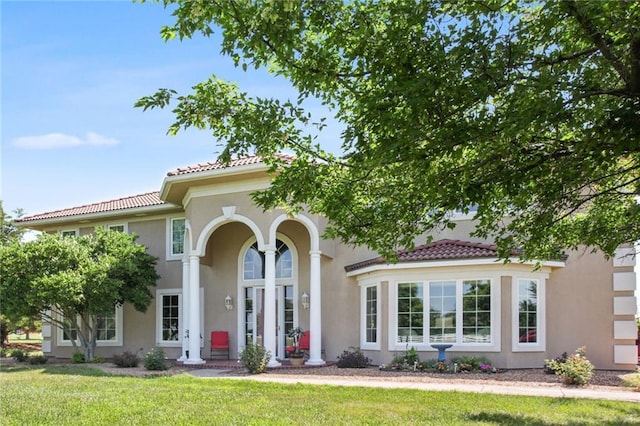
[[195, 176], [227, 188], [137, 211], [447, 263]]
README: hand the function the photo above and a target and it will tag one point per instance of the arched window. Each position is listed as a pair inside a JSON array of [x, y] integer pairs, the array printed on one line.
[[254, 262]]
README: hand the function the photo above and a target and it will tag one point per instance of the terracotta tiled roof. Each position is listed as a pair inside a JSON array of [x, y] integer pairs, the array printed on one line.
[[437, 250], [242, 161], [136, 201]]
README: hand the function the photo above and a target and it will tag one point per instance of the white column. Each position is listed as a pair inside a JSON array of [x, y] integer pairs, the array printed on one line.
[[315, 311], [194, 311], [184, 321], [269, 338]]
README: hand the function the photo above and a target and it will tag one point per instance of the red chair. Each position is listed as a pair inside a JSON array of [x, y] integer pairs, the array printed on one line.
[[303, 344], [219, 342]]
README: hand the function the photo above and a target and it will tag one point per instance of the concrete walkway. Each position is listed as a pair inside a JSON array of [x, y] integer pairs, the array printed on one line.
[[546, 391]]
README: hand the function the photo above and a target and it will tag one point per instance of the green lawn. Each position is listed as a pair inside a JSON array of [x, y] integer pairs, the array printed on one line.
[[60, 395], [34, 338]]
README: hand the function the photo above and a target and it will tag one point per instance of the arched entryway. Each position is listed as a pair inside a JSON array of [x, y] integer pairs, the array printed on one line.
[[251, 293]]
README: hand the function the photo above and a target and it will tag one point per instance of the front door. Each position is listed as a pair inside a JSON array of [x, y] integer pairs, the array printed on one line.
[[254, 316]]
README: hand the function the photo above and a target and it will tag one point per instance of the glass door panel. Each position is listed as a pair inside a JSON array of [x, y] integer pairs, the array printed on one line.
[[254, 309]]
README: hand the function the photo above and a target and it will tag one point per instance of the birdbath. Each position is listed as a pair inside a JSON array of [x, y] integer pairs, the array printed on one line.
[[441, 347]]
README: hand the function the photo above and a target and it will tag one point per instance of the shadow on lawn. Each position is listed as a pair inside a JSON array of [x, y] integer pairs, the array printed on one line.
[[75, 370], [516, 419]]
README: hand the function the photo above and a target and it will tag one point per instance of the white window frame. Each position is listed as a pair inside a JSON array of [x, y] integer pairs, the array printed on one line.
[[364, 344], [170, 255], [75, 231], [119, 332], [159, 310], [181, 317], [125, 227], [540, 344], [427, 277]]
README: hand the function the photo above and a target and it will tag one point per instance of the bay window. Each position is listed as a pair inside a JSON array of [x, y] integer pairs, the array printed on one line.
[[463, 312]]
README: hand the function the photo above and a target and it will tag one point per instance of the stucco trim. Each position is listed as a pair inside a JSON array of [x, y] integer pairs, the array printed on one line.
[[201, 244], [448, 264]]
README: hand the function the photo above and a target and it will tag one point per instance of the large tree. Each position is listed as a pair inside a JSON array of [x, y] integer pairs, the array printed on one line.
[[73, 282], [9, 232], [527, 112]]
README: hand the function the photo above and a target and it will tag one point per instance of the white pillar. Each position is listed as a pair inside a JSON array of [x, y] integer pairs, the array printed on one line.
[[184, 321], [269, 338], [315, 311], [194, 311]]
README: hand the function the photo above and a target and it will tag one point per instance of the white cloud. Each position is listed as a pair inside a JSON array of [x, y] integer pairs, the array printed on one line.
[[60, 140]]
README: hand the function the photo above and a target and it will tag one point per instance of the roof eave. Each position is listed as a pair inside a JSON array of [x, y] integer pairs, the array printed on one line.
[[40, 224], [447, 263], [169, 181]]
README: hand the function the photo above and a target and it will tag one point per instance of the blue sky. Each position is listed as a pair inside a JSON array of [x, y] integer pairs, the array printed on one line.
[[70, 74]]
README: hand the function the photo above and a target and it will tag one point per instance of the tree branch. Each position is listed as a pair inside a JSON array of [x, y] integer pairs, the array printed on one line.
[[598, 39]]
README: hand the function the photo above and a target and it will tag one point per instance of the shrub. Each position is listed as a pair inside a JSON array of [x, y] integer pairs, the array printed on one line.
[[155, 360], [3, 353], [19, 355], [255, 358], [78, 358], [473, 364], [576, 370], [407, 360], [551, 364], [126, 360], [353, 359], [97, 360], [37, 359]]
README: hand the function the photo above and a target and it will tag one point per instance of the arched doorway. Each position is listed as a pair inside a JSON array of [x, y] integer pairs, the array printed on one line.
[[251, 290]]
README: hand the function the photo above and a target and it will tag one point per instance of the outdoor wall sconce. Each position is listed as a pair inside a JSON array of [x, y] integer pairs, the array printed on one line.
[[305, 300], [228, 302]]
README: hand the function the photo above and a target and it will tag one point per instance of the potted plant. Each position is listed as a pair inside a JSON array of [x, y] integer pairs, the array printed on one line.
[[296, 356]]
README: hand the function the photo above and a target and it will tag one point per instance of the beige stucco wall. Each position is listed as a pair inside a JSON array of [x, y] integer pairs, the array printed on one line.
[[578, 305]]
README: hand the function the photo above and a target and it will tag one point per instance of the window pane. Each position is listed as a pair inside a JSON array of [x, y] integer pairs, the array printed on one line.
[[528, 311], [371, 315], [106, 327], [177, 236], [410, 311], [442, 312], [170, 318], [476, 315], [284, 262], [253, 263]]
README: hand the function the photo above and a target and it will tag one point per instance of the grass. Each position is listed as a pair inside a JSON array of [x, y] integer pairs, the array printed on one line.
[[78, 395], [632, 381], [34, 338]]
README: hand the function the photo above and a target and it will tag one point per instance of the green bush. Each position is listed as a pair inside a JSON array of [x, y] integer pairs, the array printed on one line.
[[19, 355], [550, 365], [353, 359], [78, 358], [255, 358], [576, 370], [473, 364], [407, 360], [155, 360], [126, 360], [3, 353], [37, 359]]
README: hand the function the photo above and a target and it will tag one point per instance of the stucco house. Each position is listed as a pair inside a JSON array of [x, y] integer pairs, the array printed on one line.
[[227, 265]]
